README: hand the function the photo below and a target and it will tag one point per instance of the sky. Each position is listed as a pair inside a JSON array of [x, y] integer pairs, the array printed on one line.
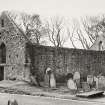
[[68, 8], [46, 8]]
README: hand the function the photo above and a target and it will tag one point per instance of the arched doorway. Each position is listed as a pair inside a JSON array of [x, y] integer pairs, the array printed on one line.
[[2, 60], [2, 53]]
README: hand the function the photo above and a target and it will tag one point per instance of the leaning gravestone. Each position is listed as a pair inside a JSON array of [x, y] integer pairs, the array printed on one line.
[[71, 86], [76, 78]]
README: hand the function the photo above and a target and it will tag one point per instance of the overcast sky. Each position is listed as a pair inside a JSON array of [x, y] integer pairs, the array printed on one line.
[[66, 8], [71, 8]]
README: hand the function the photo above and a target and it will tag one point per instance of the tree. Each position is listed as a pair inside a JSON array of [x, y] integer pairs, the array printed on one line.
[[87, 30], [55, 31], [76, 36], [31, 25]]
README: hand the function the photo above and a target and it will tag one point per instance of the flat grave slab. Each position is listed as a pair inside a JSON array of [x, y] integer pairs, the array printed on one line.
[[90, 94]]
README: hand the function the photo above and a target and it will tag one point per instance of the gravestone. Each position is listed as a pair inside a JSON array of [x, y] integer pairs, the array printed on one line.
[[101, 82], [76, 78], [71, 84], [90, 80], [96, 82], [76, 75], [52, 81], [47, 77]]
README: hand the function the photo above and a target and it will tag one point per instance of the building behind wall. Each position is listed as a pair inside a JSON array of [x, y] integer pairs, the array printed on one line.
[[99, 44]]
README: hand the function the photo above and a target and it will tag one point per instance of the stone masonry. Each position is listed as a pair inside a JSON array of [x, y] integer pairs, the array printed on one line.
[[15, 49], [65, 60], [19, 58]]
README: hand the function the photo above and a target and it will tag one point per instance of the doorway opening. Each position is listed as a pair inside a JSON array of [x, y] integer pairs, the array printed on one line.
[[2, 60], [1, 73]]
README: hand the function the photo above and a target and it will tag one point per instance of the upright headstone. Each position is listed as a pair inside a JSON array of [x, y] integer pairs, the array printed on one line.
[[47, 77], [52, 80], [76, 78], [101, 82], [90, 80], [96, 82]]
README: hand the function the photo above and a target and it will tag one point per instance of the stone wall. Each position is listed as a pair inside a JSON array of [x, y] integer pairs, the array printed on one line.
[[15, 49], [97, 45], [64, 60]]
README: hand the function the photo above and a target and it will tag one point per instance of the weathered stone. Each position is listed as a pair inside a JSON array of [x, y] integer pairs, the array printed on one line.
[[52, 81], [101, 82], [72, 60], [76, 78], [71, 84], [23, 57], [14, 43], [96, 82], [47, 77], [99, 44], [76, 75], [90, 80]]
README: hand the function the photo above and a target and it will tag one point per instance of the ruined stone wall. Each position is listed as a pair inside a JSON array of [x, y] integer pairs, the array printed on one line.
[[64, 60], [15, 51], [96, 46]]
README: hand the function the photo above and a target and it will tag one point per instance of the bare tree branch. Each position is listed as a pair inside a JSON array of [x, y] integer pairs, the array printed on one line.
[[55, 30]]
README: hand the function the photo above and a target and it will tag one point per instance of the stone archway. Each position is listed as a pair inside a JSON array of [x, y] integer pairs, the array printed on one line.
[[2, 53], [2, 60]]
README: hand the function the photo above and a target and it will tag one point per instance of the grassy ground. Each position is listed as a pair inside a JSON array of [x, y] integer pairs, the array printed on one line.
[[24, 88]]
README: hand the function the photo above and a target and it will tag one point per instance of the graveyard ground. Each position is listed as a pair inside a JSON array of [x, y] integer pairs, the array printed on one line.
[[23, 88], [60, 95]]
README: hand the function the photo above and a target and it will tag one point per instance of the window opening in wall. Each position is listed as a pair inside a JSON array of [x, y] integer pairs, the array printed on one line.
[[9, 56], [0, 34], [2, 22], [100, 46], [17, 55]]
